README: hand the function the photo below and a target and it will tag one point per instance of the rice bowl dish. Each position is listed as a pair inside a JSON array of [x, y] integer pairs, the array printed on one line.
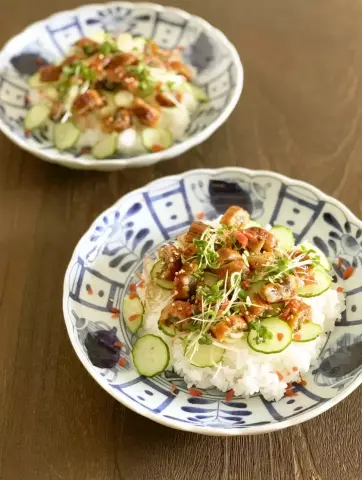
[[234, 306]]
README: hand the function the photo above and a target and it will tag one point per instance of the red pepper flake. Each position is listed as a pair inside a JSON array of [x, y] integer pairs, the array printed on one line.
[[89, 290], [27, 133], [297, 337], [288, 373], [132, 296], [141, 284], [133, 287], [39, 61], [132, 318], [340, 289], [114, 310], [340, 262], [200, 215], [295, 369], [122, 362], [115, 315], [348, 272], [229, 395], [173, 388], [280, 336], [157, 148], [194, 392], [118, 345], [280, 376]]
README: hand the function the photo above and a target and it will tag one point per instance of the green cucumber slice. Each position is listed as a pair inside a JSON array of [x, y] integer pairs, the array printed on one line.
[[210, 279], [110, 108], [322, 258], [106, 147], [132, 311], [150, 355], [34, 81], [198, 93], [284, 235], [36, 116], [323, 283], [65, 135], [205, 355], [281, 336], [156, 270], [169, 330], [152, 137], [309, 331]]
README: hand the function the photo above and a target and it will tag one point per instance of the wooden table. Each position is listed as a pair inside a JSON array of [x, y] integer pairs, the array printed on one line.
[[299, 114]]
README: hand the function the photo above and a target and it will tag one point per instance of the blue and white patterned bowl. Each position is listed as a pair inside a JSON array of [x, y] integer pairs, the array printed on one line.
[[215, 59], [108, 256]]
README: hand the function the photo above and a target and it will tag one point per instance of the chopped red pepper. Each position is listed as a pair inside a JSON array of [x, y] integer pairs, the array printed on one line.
[[340, 289], [157, 148], [89, 290], [194, 392], [115, 315], [133, 287], [200, 215], [173, 388], [132, 318], [288, 373], [348, 272], [229, 395], [132, 295], [295, 369], [27, 133], [114, 310], [280, 376], [290, 393], [118, 345], [280, 336], [297, 337], [122, 362], [241, 238]]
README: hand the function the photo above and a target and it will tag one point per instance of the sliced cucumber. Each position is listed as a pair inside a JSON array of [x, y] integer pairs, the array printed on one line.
[[132, 311], [309, 331], [124, 99], [281, 336], [105, 147], [156, 137], [323, 283], [198, 93], [36, 116], [155, 272], [169, 330], [205, 355], [65, 135], [252, 223], [255, 287], [284, 235], [322, 258], [34, 81], [210, 279], [110, 107], [150, 355]]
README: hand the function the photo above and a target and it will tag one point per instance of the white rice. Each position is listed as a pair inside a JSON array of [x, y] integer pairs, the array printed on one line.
[[245, 371]]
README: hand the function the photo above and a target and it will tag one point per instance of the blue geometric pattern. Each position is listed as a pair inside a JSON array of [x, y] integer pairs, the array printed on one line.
[[110, 254], [218, 70]]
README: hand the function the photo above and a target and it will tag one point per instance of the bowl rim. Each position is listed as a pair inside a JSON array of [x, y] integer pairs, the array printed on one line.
[[213, 431], [147, 158]]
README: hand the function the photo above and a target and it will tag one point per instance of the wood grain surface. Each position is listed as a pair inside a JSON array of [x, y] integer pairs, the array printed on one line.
[[299, 114]]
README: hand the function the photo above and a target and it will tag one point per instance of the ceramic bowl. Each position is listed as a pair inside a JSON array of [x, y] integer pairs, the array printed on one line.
[[217, 64], [108, 256]]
